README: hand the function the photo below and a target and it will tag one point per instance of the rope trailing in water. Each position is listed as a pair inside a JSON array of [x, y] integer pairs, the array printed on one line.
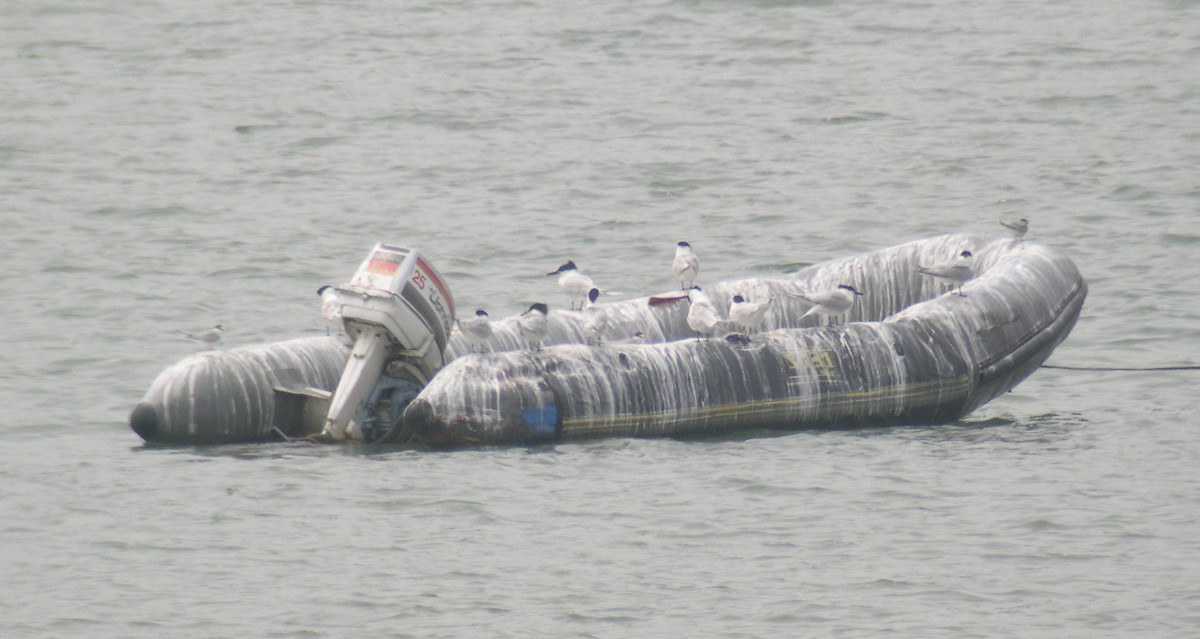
[[1123, 368]]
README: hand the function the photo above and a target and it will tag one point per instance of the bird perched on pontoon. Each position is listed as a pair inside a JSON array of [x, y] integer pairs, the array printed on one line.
[[331, 309], [575, 284], [1019, 227], [209, 337], [534, 326], [956, 272], [702, 316], [477, 330], [749, 315], [832, 304], [595, 319], [686, 265]]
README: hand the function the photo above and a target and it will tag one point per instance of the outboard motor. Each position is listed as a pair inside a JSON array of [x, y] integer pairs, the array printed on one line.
[[399, 315]]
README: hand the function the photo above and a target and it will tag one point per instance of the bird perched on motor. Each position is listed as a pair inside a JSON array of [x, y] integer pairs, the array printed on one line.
[[534, 326], [595, 320], [956, 271], [1019, 227], [575, 284], [749, 315], [702, 316], [832, 304], [209, 337], [686, 265], [477, 330], [331, 309]]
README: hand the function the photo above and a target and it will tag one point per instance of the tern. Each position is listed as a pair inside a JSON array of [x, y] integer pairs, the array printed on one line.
[[686, 265], [477, 330], [748, 315], [956, 272], [831, 304], [331, 309], [702, 316], [595, 320], [209, 337], [534, 326], [1019, 228], [575, 284]]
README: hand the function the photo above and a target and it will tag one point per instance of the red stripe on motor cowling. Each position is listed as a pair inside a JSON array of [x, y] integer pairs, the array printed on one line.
[[438, 283]]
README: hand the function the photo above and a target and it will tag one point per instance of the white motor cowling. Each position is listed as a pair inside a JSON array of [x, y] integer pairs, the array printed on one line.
[[399, 314]]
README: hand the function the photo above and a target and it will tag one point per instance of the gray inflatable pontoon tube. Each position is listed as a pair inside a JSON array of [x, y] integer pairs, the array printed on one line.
[[913, 350], [250, 394]]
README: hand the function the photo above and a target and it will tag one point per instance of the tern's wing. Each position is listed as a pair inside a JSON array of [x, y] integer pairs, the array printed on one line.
[[686, 261], [809, 298]]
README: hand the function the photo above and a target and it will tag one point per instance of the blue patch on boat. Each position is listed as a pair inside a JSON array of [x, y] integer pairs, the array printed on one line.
[[543, 419]]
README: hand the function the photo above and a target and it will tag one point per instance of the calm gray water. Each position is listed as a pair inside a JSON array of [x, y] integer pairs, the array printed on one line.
[[170, 165]]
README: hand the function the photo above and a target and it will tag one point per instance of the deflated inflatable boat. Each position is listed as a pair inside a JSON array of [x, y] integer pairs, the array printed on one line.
[[911, 350]]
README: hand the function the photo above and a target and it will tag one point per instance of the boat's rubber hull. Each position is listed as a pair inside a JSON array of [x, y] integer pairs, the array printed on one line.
[[229, 396], [912, 354]]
